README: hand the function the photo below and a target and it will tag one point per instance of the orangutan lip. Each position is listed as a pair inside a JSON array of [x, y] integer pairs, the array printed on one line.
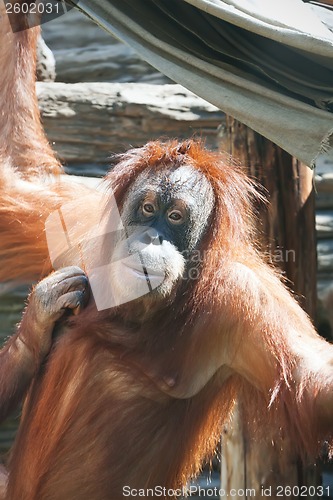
[[137, 271], [143, 272]]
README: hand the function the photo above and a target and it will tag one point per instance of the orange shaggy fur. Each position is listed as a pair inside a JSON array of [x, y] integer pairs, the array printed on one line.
[[100, 413], [235, 331]]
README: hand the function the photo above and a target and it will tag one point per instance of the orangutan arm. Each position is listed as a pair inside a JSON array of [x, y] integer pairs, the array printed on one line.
[[23, 354]]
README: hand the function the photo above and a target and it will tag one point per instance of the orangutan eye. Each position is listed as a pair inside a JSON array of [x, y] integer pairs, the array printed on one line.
[[148, 209], [175, 217]]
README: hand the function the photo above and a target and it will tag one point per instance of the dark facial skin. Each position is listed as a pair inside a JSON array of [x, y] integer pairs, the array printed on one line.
[[164, 215], [176, 203]]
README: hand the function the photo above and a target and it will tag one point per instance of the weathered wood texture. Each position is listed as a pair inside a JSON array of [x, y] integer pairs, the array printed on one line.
[[86, 122], [288, 226], [288, 230]]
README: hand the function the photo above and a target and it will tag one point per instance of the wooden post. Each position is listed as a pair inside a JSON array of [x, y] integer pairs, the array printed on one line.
[[288, 230]]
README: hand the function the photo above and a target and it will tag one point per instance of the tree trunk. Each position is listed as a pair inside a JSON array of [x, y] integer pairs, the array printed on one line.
[[287, 228]]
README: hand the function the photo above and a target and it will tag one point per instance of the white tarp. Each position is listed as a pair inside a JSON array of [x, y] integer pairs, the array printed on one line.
[[268, 63]]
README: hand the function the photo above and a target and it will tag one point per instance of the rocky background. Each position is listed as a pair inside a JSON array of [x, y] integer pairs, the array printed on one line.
[[107, 98], [85, 53]]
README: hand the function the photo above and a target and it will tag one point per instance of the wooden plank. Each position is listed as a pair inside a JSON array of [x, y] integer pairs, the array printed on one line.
[[288, 225]]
